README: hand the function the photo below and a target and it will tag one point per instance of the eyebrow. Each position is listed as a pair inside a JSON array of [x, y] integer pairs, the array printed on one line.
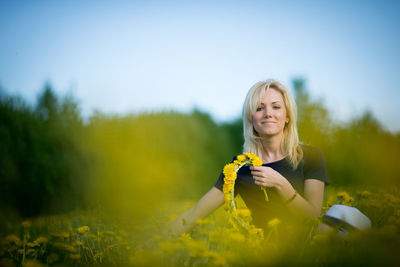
[[275, 102]]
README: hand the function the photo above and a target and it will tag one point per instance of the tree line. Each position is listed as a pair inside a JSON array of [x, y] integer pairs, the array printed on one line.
[[51, 161]]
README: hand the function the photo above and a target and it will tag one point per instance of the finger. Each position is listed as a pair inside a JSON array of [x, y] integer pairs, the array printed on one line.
[[259, 180], [260, 183], [257, 177], [256, 167], [256, 173]]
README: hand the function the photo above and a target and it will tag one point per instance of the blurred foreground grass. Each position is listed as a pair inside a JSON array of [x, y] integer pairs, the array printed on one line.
[[93, 238]]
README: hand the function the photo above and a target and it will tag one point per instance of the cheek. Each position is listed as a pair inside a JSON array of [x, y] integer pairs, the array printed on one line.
[[282, 115], [256, 118]]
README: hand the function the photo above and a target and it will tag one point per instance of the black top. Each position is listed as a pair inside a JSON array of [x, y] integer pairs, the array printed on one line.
[[312, 166]]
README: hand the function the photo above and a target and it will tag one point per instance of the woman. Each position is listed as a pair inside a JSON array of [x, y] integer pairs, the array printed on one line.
[[293, 174]]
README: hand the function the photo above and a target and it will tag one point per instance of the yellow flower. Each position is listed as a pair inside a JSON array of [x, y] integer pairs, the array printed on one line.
[[237, 162], [33, 263], [257, 162], [343, 195], [77, 243], [241, 158], [75, 256], [13, 239], [230, 177], [32, 244], [41, 240], [60, 235], [26, 224], [185, 237], [229, 168], [364, 193], [257, 232], [254, 159], [170, 247], [83, 229], [237, 237], [274, 222], [110, 233], [243, 212], [65, 247], [227, 188]]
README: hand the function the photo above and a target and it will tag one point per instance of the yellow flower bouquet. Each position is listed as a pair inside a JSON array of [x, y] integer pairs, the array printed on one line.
[[230, 174]]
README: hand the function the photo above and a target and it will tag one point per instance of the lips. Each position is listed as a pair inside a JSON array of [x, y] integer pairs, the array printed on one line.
[[265, 122]]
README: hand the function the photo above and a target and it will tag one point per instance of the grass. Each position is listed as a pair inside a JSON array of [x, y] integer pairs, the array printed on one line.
[[91, 238]]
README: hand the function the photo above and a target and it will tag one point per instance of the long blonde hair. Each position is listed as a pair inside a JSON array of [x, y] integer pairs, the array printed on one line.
[[290, 141]]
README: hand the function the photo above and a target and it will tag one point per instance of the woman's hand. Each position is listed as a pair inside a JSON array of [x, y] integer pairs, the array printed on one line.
[[266, 176]]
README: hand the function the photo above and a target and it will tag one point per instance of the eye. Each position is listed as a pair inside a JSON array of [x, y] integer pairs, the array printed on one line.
[[259, 108], [277, 107]]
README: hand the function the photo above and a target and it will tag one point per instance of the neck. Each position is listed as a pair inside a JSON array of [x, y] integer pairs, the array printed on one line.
[[272, 148]]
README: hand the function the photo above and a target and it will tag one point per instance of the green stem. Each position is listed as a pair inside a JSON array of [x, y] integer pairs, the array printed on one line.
[[265, 193]]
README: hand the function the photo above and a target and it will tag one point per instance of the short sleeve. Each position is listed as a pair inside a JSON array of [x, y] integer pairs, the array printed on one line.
[[220, 181], [314, 164]]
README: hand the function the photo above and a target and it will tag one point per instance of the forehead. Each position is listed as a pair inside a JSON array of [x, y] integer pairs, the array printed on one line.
[[271, 95]]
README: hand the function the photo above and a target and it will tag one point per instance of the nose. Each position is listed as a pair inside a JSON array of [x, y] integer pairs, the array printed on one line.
[[267, 113]]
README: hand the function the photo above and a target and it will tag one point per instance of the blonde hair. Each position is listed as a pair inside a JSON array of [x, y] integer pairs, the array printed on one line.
[[290, 141]]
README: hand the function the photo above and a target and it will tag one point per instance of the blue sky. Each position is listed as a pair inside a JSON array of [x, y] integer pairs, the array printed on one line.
[[133, 56]]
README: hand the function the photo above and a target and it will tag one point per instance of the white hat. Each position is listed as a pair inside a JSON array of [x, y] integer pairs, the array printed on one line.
[[346, 217]]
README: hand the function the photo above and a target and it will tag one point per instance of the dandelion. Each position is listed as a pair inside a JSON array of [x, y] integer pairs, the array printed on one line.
[[237, 237], [65, 247], [185, 237], [243, 212], [83, 229], [229, 168], [77, 243], [13, 239], [26, 224], [220, 261], [274, 223], [241, 158], [33, 263], [109, 233], [75, 256], [62, 235], [343, 195], [33, 244], [170, 247], [391, 198], [365, 194], [230, 175], [41, 240]]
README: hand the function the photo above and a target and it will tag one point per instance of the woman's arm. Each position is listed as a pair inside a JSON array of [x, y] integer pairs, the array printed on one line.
[[309, 206], [207, 204]]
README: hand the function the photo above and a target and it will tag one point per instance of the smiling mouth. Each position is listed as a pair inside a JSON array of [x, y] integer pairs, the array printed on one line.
[[267, 122]]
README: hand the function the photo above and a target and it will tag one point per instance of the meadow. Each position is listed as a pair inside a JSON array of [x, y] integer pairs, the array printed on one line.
[[101, 192], [91, 238]]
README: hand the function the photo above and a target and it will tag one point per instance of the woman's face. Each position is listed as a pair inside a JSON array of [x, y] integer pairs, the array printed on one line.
[[270, 116]]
